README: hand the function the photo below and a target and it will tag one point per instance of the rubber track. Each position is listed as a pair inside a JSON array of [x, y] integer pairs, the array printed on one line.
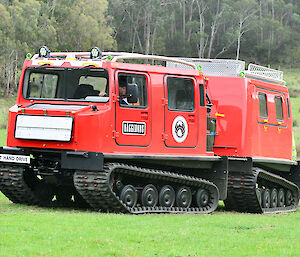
[[13, 186], [96, 189], [242, 196]]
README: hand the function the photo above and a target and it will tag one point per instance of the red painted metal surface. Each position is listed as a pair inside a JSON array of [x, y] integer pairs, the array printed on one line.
[[239, 131], [242, 132]]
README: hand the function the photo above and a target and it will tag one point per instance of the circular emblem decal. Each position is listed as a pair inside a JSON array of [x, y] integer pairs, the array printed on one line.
[[179, 129]]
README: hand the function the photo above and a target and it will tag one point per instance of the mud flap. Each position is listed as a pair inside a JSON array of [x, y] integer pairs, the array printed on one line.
[[219, 176], [294, 175], [79, 160]]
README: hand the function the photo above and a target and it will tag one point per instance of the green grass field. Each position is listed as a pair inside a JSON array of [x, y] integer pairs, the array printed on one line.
[[34, 231], [296, 117], [293, 82], [291, 76], [5, 104], [2, 137]]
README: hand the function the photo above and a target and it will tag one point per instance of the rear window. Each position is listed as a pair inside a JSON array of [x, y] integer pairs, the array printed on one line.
[[263, 108], [279, 112]]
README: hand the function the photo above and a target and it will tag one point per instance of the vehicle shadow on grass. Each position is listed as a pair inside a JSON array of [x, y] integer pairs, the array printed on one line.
[[8, 206]]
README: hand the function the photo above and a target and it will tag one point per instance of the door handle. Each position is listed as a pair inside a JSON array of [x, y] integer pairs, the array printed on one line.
[[144, 115], [191, 118]]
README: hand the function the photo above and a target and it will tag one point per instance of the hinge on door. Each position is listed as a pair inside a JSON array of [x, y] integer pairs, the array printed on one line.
[[115, 134], [164, 101], [164, 136], [115, 98]]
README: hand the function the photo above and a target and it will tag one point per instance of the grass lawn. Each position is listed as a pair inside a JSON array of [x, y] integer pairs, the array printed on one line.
[[2, 137], [296, 109], [291, 76], [296, 116], [33, 231], [5, 104]]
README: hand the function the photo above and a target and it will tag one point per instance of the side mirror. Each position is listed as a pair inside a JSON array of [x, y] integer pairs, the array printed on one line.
[[132, 93]]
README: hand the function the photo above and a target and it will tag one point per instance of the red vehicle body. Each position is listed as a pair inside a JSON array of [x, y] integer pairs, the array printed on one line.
[[242, 131], [165, 129]]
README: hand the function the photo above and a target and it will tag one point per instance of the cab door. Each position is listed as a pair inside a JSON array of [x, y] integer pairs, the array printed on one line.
[[181, 121], [133, 120]]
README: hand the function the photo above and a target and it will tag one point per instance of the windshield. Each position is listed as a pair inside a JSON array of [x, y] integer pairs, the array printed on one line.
[[66, 84]]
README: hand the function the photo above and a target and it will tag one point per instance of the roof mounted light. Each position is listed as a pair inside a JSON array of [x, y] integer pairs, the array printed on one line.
[[96, 53], [44, 52]]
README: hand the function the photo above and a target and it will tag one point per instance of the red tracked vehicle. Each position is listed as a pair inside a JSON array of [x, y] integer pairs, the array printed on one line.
[[139, 138]]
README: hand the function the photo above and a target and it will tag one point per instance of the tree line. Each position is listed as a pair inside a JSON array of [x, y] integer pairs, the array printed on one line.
[[261, 31]]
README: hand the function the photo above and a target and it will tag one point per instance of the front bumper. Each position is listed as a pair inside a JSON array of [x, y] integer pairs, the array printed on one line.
[[67, 160]]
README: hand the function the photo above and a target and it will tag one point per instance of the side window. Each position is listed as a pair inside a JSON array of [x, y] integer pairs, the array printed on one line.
[[278, 104], [180, 94], [132, 90], [201, 88], [263, 108], [288, 107]]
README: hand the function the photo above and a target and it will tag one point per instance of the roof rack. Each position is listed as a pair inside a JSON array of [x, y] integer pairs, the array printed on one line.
[[65, 55], [232, 68], [115, 56], [263, 72], [214, 67], [210, 67], [154, 57]]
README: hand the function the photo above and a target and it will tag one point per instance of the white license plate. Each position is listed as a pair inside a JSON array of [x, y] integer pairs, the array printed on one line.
[[14, 158]]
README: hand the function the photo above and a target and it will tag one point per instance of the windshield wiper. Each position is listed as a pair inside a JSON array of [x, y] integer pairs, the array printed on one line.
[[43, 65], [88, 66], [91, 66]]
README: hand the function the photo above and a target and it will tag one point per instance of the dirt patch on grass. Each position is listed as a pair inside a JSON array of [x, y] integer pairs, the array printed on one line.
[[252, 228]]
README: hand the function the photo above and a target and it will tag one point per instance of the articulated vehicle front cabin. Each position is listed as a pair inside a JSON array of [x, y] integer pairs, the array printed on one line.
[[142, 138]]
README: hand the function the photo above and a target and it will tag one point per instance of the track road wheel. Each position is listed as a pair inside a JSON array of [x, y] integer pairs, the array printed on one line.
[[202, 198], [281, 198], [266, 198], [274, 198], [167, 196], [288, 198], [184, 197], [129, 196], [149, 196], [259, 195]]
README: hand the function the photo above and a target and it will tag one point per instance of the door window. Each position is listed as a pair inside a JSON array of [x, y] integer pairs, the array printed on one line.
[[180, 94], [132, 90]]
